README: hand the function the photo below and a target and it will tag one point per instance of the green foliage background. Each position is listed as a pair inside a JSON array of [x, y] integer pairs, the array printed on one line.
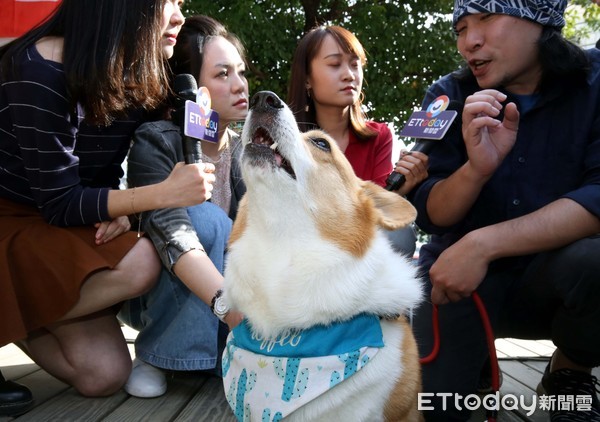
[[409, 43]]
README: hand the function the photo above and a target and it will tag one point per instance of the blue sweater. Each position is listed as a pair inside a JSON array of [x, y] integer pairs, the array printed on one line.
[[556, 155], [50, 158]]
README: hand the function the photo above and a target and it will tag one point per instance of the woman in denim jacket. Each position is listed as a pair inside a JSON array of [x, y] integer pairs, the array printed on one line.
[[177, 329]]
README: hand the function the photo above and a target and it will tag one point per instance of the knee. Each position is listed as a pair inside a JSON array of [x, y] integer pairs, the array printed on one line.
[[144, 272], [583, 254], [102, 380]]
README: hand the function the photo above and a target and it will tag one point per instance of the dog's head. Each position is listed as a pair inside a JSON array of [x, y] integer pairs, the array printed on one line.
[[306, 247], [289, 172]]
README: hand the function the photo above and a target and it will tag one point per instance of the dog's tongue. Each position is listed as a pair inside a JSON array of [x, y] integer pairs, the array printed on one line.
[[278, 159]]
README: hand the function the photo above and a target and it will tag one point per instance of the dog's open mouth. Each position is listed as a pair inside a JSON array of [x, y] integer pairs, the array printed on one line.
[[261, 137]]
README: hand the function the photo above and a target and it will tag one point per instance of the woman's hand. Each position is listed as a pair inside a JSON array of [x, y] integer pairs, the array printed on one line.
[[108, 230], [190, 184], [413, 165]]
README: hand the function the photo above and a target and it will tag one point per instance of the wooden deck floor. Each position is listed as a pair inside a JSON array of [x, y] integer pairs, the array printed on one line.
[[193, 397]]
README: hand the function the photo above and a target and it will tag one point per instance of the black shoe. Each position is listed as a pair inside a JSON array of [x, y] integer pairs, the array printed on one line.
[[15, 399], [572, 395], [484, 386]]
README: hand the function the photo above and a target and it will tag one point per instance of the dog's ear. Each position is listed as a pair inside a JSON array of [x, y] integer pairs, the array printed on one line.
[[394, 211]]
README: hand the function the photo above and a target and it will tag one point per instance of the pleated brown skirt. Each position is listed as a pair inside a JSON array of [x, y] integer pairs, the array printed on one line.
[[42, 268]]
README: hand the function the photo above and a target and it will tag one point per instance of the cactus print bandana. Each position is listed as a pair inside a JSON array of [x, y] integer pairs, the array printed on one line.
[[269, 379]]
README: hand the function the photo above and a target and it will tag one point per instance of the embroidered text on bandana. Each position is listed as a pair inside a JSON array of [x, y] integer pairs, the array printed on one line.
[[269, 379]]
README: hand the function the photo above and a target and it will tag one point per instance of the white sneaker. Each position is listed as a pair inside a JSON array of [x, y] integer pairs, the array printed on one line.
[[145, 380]]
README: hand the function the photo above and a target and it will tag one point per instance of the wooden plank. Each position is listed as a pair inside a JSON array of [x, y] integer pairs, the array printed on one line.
[[209, 405], [181, 388], [200, 398], [513, 349], [503, 416], [537, 348], [16, 372], [522, 373], [522, 392], [71, 406], [12, 355], [513, 386], [14, 363], [43, 386], [521, 381]]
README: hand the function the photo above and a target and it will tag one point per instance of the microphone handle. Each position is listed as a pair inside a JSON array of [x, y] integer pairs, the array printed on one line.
[[395, 180], [192, 150]]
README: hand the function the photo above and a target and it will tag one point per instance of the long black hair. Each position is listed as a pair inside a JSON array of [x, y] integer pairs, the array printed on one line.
[[111, 55], [561, 60]]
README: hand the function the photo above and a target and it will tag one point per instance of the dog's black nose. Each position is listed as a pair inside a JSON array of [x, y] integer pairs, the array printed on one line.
[[265, 100]]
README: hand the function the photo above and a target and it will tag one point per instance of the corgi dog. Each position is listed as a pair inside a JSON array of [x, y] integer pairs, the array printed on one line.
[[322, 292]]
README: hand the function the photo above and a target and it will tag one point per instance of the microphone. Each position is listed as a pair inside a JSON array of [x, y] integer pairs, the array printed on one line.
[[186, 88], [395, 180]]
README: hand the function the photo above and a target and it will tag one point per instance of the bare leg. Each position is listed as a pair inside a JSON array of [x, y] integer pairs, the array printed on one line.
[[134, 275], [89, 353], [86, 348]]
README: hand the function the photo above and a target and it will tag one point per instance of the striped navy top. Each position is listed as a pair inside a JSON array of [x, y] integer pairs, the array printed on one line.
[[50, 158]]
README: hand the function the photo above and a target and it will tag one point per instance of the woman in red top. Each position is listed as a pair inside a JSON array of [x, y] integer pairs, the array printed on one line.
[[325, 91]]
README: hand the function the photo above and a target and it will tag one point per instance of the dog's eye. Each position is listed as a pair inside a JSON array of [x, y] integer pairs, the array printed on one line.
[[321, 143]]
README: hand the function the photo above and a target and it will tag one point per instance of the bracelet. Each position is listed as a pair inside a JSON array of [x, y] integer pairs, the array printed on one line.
[[138, 217], [132, 200]]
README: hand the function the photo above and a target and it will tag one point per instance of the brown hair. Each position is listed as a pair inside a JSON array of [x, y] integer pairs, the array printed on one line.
[[113, 65], [298, 97]]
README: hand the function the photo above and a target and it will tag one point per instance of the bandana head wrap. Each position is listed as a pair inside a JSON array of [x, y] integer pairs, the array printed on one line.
[[546, 13]]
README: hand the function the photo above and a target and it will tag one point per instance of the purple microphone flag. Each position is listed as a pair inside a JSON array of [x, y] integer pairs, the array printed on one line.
[[421, 124], [200, 124]]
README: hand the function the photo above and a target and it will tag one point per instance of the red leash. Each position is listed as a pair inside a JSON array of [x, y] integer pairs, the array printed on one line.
[[489, 334], [436, 338]]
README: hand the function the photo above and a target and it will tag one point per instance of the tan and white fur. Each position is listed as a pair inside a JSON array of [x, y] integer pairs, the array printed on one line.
[[308, 248]]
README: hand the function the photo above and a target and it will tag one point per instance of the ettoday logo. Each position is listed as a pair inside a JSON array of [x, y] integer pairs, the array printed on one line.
[[437, 106], [497, 402], [203, 100]]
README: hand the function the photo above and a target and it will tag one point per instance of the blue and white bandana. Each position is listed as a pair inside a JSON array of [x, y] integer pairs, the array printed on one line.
[[544, 12], [268, 380]]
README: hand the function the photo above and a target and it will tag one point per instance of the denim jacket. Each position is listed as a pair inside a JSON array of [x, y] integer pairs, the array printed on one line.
[[157, 147]]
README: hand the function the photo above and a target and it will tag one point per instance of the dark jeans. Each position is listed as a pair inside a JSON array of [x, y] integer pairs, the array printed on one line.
[[556, 297]]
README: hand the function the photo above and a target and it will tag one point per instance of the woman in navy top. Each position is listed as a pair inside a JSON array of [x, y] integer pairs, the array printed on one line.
[[70, 100]]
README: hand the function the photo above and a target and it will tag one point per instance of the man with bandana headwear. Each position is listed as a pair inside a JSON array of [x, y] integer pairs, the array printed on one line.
[[513, 206]]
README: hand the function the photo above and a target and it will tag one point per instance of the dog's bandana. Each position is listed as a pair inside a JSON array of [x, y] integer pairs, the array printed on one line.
[[269, 379]]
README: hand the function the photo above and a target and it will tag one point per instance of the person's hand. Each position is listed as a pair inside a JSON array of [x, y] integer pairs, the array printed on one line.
[[190, 184], [458, 271], [413, 165], [487, 139], [233, 318], [108, 230]]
